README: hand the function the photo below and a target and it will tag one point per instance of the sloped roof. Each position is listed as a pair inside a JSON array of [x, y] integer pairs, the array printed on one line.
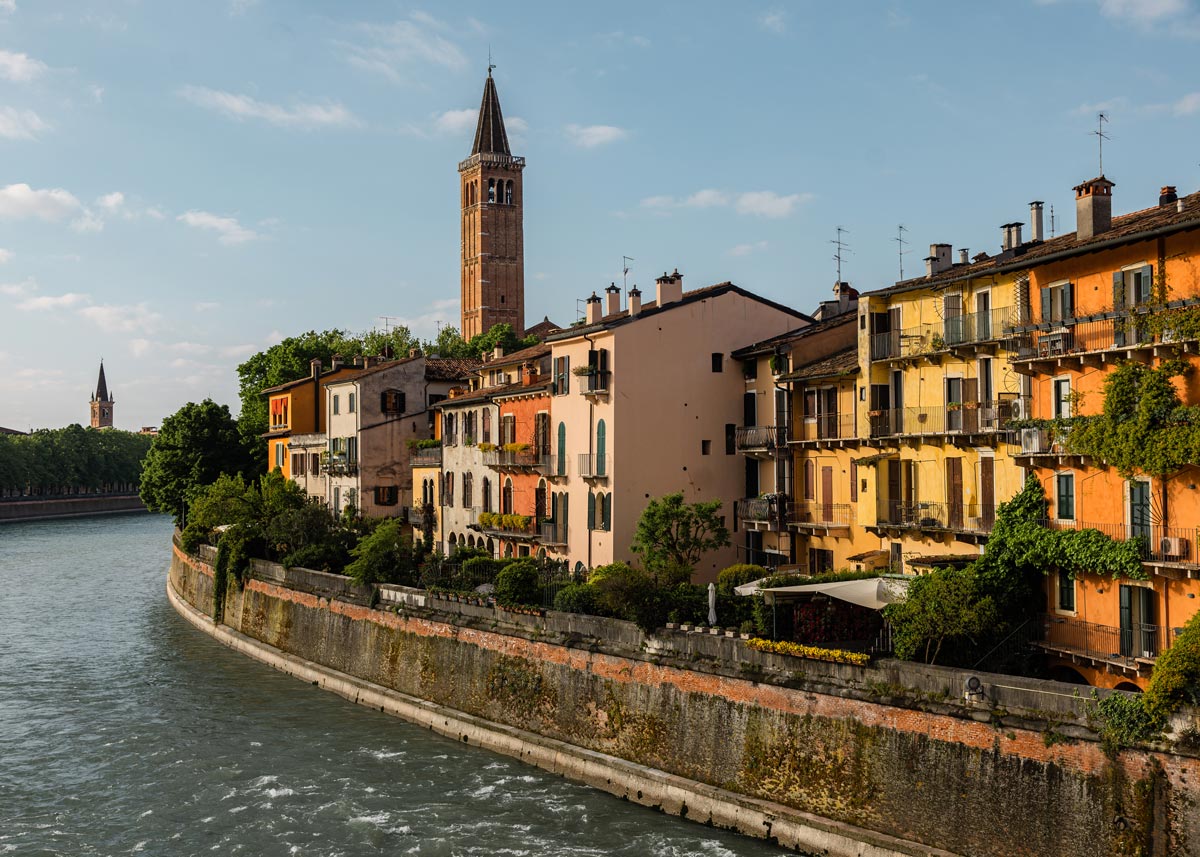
[[490, 137], [533, 352], [451, 368], [101, 386], [542, 329], [326, 377], [844, 362], [1126, 229], [766, 346], [4, 430]]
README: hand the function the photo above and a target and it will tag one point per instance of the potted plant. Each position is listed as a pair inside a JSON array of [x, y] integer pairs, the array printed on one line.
[[953, 406], [581, 371], [487, 446]]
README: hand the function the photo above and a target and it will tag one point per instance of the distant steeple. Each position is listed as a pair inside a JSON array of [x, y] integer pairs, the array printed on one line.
[[490, 137], [102, 403], [101, 386]]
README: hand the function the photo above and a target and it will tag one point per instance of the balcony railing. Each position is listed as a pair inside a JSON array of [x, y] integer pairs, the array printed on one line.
[[494, 524], [429, 457], [594, 466], [937, 515], [1071, 337], [339, 465], [770, 510], [966, 329], [827, 427], [549, 533], [814, 515], [1158, 543], [761, 438], [492, 159], [956, 418], [595, 382], [529, 459], [1136, 641]]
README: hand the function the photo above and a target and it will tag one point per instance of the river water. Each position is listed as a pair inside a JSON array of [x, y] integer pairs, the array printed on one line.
[[125, 731]]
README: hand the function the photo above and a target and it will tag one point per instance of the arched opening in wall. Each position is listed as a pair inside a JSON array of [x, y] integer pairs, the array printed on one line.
[[1129, 686], [541, 553], [491, 190], [508, 550], [487, 494], [539, 500], [506, 500], [452, 541], [580, 569], [491, 547], [470, 541], [1067, 675], [508, 192]]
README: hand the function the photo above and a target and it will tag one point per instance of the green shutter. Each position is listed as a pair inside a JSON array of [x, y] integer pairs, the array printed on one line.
[[561, 468], [591, 516], [601, 437], [1047, 309]]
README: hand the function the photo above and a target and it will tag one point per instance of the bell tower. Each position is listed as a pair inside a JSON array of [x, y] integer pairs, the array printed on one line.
[[493, 243], [102, 403]]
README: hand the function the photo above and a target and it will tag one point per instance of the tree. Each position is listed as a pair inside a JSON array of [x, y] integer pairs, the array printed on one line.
[[943, 606], [501, 335], [194, 446], [384, 556], [672, 535]]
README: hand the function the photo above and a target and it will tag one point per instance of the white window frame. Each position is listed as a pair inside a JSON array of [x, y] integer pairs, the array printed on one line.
[[1074, 496], [1056, 400]]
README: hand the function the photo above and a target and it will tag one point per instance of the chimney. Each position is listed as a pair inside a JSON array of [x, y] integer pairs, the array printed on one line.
[[1167, 195], [670, 287], [336, 363], [1093, 208], [315, 365], [635, 301], [497, 352], [528, 372], [1036, 232], [846, 294], [1015, 239], [938, 259], [593, 309], [963, 258], [612, 296]]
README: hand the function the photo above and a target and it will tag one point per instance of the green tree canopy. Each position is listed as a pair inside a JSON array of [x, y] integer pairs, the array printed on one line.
[[194, 446], [946, 605], [55, 461], [672, 535]]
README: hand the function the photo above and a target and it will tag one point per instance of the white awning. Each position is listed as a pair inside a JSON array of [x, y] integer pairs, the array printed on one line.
[[874, 593]]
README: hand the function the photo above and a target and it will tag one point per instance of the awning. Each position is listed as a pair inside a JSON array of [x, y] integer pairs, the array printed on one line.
[[874, 593], [872, 459]]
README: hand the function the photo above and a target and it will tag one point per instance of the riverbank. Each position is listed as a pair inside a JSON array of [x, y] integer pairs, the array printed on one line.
[[821, 757], [70, 507]]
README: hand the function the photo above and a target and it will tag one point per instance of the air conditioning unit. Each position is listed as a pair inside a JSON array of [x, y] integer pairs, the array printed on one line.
[[1016, 409], [1034, 441], [1172, 546]]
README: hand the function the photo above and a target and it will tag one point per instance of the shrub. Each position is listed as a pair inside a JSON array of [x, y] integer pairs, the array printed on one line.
[[946, 605], [517, 584], [736, 575], [600, 572], [688, 603], [481, 569], [1124, 722], [631, 594], [815, 653], [384, 556], [1176, 677], [578, 598]]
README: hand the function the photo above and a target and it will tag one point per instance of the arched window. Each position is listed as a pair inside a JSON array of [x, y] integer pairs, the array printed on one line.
[[580, 569], [491, 547], [487, 425], [539, 500], [508, 192], [601, 457], [452, 541], [487, 494], [506, 500], [448, 490], [467, 490], [606, 513], [592, 521], [491, 190], [508, 550], [560, 468], [470, 541], [469, 428]]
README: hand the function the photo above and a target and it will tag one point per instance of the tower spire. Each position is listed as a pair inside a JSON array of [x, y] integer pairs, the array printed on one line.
[[490, 137], [101, 386]]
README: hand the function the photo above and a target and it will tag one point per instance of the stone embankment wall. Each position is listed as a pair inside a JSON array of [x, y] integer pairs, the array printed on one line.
[[69, 507], [820, 756]]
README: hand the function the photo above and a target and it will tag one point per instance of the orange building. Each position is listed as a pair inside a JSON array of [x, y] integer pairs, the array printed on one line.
[[295, 408], [1089, 304]]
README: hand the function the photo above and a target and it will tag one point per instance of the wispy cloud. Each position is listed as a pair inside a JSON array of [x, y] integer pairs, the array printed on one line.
[[748, 248], [112, 201], [619, 38], [22, 202], [763, 203], [8, 6], [774, 20], [37, 303], [455, 121], [228, 230], [20, 124], [205, 306], [1091, 108], [393, 50], [122, 318], [591, 136], [5, 256], [313, 114], [20, 67], [1144, 11]]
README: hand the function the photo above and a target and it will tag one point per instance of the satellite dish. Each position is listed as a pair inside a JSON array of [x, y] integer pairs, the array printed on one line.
[[974, 686]]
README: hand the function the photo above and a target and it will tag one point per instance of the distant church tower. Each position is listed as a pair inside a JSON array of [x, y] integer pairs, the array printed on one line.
[[102, 403], [493, 243]]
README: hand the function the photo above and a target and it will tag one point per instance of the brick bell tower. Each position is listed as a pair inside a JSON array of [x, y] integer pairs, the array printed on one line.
[[102, 403], [493, 242]]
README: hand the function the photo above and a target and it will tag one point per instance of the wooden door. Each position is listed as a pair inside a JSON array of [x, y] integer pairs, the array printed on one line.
[[893, 491], [954, 493], [971, 404]]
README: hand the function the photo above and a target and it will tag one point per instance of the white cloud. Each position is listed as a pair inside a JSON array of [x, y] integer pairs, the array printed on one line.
[[661, 201], [456, 121], [89, 221], [20, 201], [516, 125], [766, 203], [111, 201], [5, 256], [1094, 107], [747, 249], [8, 6], [774, 20], [238, 352], [205, 306], [240, 7], [20, 67], [228, 230], [38, 303], [590, 136], [301, 115], [140, 347], [707, 198], [130, 318], [20, 124], [97, 92], [16, 290], [620, 38], [1143, 11], [1187, 105], [390, 49]]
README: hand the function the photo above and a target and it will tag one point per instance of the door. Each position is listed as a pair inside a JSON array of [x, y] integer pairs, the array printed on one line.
[[897, 422], [780, 435], [987, 491], [988, 417], [983, 316], [749, 410], [952, 319], [828, 424], [880, 403], [971, 405], [892, 513], [752, 488], [827, 494], [954, 402], [880, 328], [1147, 623], [1127, 621], [954, 493], [1139, 510]]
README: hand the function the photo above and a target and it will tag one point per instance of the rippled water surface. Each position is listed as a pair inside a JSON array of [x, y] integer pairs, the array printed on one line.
[[125, 731]]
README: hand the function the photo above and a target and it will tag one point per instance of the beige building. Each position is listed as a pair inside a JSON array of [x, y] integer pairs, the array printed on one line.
[[647, 402]]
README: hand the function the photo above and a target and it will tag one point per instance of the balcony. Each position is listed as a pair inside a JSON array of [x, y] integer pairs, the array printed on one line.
[[517, 460], [339, 465], [594, 383], [963, 418], [1131, 648], [491, 159], [427, 457], [1074, 343], [504, 525], [969, 331], [761, 441], [1162, 546], [827, 429], [594, 466], [762, 513], [821, 517], [971, 520], [550, 535]]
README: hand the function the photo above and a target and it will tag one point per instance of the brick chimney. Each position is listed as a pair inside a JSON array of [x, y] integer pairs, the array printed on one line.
[[670, 287], [612, 299], [1167, 196], [1093, 208], [635, 301], [593, 309]]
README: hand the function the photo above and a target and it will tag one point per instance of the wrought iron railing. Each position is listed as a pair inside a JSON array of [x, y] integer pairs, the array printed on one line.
[[1073, 337], [1104, 642], [750, 438], [528, 459], [950, 418], [427, 457], [827, 427], [1157, 543], [821, 515]]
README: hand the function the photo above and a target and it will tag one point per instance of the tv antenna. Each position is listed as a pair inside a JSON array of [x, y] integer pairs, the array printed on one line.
[[899, 239], [625, 260], [1051, 220], [1101, 118], [387, 322], [842, 249]]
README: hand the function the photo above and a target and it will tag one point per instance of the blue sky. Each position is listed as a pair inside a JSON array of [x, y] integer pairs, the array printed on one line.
[[182, 184]]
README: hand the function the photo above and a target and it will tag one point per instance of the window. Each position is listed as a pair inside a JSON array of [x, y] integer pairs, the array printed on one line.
[[392, 402], [718, 362], [706, 447], [810, 480], [539, 500], [560, 468], [1139, 509], [592, 517], [350, 403], [1064, 503], [1057, 302], [448, 490], [491, 190], [469, 428], [541, 434], [508, 429], [449, 430], [487, 426], [314, 464], [280, 451], [853, 481], [386, 495], [508, 188], [750, 368], [337, 499], [336, 404], [730, 438], [506, 498], [1061, 398], [562, 376], [468, 491], [1133, 287], [1066, 591], [601, 449], [487, 494], [820, 561], [297, 463]]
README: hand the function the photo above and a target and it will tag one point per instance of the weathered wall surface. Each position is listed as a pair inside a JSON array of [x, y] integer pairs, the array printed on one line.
[[951, 780], [69, 507]]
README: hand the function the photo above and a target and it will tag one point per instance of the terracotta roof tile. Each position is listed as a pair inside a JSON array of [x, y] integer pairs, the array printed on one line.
[[844, 362]]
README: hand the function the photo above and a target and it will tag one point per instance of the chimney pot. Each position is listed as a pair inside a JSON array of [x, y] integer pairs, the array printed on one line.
[[335, 363], [1179, 205], [315, 365], [635, 301], [1093, 208], [1167, 195], [1036, 231], [963, 258], [593, 309], [612, 300], [670, 288]]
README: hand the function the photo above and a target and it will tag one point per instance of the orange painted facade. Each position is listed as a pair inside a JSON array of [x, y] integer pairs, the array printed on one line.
[[520, 474], [294, 408]]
